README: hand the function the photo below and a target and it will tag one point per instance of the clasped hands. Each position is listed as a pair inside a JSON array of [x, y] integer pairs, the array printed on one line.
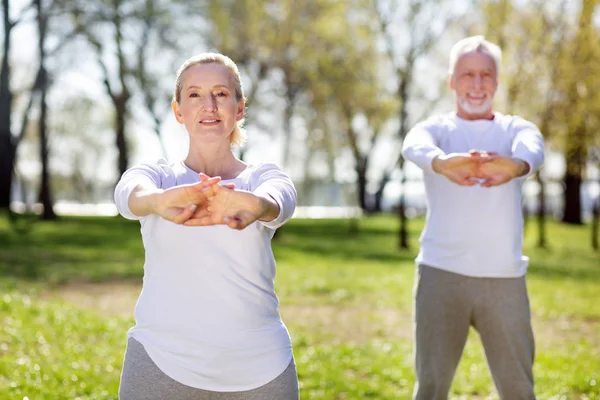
[[479, 167], [209, 203]]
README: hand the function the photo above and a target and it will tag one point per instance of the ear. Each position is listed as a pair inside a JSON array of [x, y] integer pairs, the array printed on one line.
[[240, 110], [451, 81], [176, 111]]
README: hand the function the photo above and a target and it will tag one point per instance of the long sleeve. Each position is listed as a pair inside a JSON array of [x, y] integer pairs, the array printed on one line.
[[528, 145], [420, 146], [270, 180], [145, 174]]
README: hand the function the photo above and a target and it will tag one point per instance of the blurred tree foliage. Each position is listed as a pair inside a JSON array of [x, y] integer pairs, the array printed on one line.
[[332, 81], [551, 75]]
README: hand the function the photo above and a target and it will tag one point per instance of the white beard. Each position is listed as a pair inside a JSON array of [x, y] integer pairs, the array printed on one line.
[[476, 109]]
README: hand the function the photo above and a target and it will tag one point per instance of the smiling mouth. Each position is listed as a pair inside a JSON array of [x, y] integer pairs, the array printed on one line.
[[210, 121], [480, 98]]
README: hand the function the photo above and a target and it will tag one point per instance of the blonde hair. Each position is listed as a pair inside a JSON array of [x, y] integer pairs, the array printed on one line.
[[238, 136], [471, 44]]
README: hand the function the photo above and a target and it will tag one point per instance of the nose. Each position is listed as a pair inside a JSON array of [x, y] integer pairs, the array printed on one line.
[[210, 103], [477, 81]]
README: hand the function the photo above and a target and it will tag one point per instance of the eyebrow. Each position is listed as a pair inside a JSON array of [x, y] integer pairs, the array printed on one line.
[[214, 87]]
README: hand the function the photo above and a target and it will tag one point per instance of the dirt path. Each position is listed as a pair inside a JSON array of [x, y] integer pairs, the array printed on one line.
[[331, 323]]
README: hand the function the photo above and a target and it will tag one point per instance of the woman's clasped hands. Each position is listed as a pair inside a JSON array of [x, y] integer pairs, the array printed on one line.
[[208, 202]]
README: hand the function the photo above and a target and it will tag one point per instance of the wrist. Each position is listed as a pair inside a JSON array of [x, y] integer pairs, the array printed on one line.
[[155, 199], [269, 209], [522, 167], [436, 164]]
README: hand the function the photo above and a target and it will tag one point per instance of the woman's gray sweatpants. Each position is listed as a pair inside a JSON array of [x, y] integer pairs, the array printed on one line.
[[446, 305], [141, 379]]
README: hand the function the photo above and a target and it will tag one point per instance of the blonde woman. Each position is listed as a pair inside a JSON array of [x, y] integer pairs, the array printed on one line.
[[207, 324]]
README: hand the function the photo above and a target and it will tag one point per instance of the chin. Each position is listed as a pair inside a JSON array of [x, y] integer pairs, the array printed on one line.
[[478, 111]]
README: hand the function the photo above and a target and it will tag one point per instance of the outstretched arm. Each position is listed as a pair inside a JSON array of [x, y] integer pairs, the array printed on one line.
[[272, 201], [176, 204], [460, 168], [234, 208]]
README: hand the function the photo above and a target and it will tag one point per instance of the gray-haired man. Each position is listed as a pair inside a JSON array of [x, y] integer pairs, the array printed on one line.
[[471, 270]]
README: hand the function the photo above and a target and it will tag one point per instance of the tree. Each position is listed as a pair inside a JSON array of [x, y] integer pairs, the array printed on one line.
[[8, 141], [45, 191], [531, 36], [580, 107], [416, 19]]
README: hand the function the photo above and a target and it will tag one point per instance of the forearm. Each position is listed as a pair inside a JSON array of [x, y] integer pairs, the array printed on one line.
[[270, 208], [420, 147], [437, 164], [143, 200], [522, 167]]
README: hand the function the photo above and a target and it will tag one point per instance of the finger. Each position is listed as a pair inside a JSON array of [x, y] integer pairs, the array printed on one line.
[[203, 221], [201, 212], [184, 215], [229, 185], [206, 183], [490, 157], [235, 223], [211, 191]]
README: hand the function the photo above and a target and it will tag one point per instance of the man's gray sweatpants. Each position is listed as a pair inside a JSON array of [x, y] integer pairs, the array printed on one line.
[[446, 305]]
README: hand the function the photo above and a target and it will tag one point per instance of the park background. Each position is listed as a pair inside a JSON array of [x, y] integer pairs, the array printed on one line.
[[333, 87]]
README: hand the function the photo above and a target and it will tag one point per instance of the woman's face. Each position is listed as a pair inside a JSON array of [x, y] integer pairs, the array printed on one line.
[[208, 107]]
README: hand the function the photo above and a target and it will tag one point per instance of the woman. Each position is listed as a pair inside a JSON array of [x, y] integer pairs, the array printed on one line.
[[207, 320]]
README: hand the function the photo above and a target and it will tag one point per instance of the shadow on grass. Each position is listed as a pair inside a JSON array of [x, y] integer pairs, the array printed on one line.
[[73, 248], [569, 270], [370, 240]]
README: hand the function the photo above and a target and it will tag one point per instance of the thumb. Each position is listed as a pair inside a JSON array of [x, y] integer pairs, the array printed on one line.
[[184, 214]]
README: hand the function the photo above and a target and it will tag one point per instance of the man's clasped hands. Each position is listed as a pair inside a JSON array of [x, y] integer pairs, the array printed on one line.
[[479, 167]]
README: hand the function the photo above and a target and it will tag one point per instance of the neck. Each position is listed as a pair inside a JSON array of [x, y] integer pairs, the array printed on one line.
[[472, 117], [214, 160]]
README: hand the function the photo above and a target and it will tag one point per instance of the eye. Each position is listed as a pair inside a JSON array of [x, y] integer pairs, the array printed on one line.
[[194, 94], [220, 94]]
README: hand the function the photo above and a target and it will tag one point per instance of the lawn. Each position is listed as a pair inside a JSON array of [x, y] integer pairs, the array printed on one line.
[[67, 291]]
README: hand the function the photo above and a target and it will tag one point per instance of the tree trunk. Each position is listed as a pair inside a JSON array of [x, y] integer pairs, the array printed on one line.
[[575, 158], [45, 196], [7, 143], [378, 206], [121, 116], [45, 187], [572, 207], [361, 171], [287, 127], [403, 90], [403, 231], [7, 160], [541, 213], [595, 218]]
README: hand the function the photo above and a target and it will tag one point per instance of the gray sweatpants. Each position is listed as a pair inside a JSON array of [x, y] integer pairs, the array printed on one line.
[[446, 305], [141, 379]]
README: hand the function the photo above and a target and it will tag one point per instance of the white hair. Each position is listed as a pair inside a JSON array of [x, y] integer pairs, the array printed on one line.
[[471, 44]]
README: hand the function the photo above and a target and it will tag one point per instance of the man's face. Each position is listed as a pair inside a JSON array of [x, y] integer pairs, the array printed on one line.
[[474, 83]]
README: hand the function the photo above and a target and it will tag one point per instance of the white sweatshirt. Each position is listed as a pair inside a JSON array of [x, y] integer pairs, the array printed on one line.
[[208, 314], [473, 230]]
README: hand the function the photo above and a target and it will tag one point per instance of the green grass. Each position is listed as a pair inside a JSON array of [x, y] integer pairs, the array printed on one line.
[[346, 299]]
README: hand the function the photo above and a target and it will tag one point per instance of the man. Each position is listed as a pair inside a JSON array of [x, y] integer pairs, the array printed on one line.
[[471, 270]]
